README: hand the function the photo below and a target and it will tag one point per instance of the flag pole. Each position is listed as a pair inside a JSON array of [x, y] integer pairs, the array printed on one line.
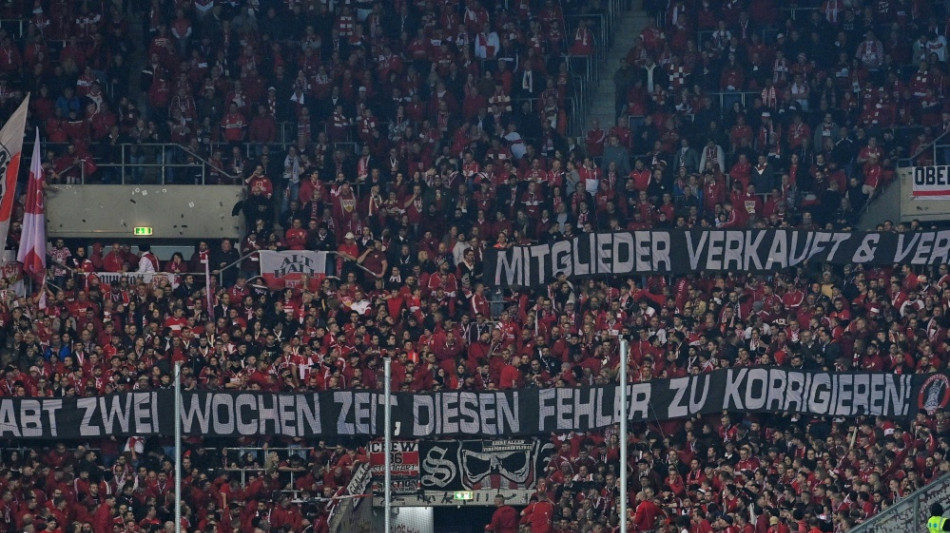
[[387, 444], [178, 447], [623, 436], [31, 253]]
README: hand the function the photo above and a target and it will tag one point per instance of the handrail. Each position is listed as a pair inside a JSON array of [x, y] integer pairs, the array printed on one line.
[[910, 513], [245, 256], [50, 262], [909, 162], [931, 145], [229, 266], [204, 161]]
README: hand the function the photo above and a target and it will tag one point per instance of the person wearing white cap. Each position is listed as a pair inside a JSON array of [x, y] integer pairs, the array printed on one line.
[[347, 253]]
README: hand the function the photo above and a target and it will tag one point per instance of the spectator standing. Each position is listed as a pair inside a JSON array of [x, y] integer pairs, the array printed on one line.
[[504, 519]]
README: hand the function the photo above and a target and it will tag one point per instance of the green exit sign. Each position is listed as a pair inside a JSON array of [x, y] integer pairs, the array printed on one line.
[[463, 495], [142, 231]]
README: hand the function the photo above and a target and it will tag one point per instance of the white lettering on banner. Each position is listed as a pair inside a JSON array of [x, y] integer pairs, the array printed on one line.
[[438, 471], [509, 268], [539, 252], [580, 268], [561, 258], [778, 252], [483, 414], [468, 413], [714, 256], [941, 249], [777, 383], [114, 412], [659, 251], [794, 392], [396, 446], [31, 424], [639, 396], [27, 418], [480, 498], [88, 406], [680, 386], [837, 239], [867, 249], [490, 413], [222, 414], [794, 256], [564, 409], [192, 413], [345, 401], [695, 251], [111, 278], [269, 414], [8, 421], [243, 405], [287, 415], [601, 253], [604, 248], [903, 252], [820, 394], [143, 414], [621, 252], [751, 251]]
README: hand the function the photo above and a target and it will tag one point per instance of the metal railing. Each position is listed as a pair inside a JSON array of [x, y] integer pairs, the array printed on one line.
[[260, 454], [237, 262], [910, 513], [14, 26], [163, 164]]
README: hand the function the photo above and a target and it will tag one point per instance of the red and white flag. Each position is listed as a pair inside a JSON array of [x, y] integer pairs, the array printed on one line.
[[32, 253], [11, 145]]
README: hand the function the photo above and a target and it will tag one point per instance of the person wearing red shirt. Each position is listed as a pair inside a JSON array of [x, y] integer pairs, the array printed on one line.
[[102, 520], [742, 171], [176, 322], [233, 125], [596, 137], [504, 519], [296, 236], [511, 376], [539, 515], [647, 511], [257, 181], [872, 175], [285, 515], [374, 260], [640, 176], [583, 44], [263, 127], [347, 251]]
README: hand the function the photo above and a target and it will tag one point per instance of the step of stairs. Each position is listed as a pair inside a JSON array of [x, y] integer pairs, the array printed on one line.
[[629, 26]]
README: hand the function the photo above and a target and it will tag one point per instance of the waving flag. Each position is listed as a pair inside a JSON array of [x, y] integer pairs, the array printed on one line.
[[32, 253], [11, 144]]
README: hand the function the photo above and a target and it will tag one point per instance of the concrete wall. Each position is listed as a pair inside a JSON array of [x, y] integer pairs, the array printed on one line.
[[924, 210], [885, 207], [174, 211]]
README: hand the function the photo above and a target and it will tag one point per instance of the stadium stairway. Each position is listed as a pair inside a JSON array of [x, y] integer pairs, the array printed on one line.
[[910, 513], [887, 206], [629, 26]]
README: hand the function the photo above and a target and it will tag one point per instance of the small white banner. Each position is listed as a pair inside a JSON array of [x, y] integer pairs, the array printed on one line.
[[932, 183], [287, 268]]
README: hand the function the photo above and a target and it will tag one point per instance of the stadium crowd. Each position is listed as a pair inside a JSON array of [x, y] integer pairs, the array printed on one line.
[[458, 112]]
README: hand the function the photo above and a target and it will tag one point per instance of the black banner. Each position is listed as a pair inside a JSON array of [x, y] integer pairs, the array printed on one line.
[[512, 413], [478, 465], [686, 251]]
